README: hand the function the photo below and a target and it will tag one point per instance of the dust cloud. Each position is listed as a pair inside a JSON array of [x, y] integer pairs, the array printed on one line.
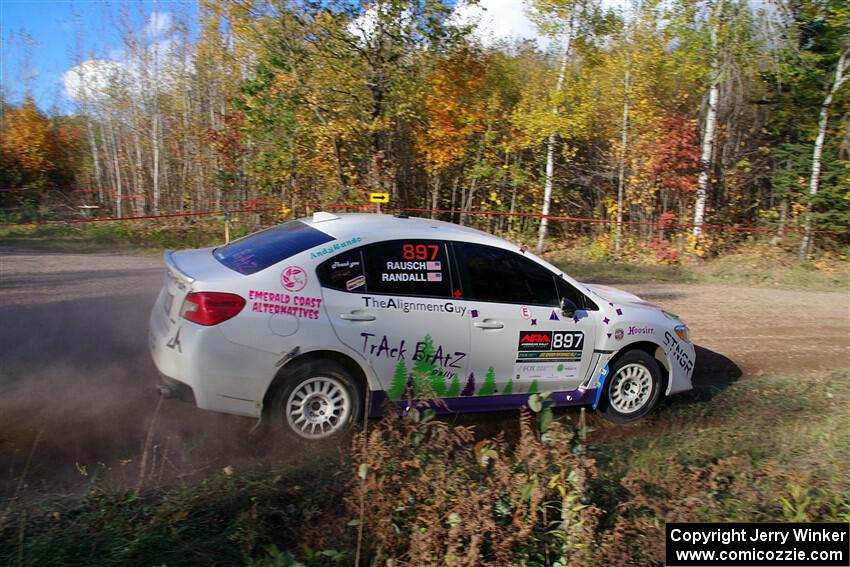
[[78, 405]]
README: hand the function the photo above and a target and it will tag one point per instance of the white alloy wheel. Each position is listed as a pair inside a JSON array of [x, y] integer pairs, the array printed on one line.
[[631, 388], [318, 407]]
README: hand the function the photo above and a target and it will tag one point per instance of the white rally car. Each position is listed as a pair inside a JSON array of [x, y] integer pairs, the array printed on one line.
[[301, 322]]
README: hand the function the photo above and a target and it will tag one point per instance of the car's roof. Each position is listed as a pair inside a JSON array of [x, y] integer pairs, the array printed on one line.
[[378, 227], [388, 227]]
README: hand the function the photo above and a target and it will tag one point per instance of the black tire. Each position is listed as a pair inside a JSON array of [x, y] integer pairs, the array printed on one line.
[[318, 401], [632, 387]]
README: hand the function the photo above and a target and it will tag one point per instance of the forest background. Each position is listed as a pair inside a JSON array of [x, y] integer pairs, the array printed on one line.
[[661, 118]]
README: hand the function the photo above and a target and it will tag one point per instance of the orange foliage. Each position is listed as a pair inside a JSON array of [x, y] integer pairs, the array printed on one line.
[[39, 151], [27, 139], [454, 111]]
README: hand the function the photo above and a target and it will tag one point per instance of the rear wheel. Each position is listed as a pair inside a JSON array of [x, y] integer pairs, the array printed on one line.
[[319, 400], [633, 387]]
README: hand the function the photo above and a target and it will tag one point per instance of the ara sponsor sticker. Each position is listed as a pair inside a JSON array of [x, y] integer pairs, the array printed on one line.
[[293, 278], [550, 346], [534, 340], [354, 283]]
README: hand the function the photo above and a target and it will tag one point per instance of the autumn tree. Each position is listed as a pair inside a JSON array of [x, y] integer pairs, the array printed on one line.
[[453, 113], [571, 24]]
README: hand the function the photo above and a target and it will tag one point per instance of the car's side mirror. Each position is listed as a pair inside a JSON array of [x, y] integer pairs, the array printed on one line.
[[568, 308]]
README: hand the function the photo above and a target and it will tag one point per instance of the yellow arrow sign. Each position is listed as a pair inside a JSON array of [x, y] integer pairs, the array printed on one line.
[[379, 197]]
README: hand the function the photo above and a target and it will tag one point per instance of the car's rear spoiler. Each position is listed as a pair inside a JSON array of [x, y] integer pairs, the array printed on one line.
[[168, 256]]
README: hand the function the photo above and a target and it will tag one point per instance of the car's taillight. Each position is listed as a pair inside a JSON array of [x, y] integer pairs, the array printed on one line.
[[211, 307]]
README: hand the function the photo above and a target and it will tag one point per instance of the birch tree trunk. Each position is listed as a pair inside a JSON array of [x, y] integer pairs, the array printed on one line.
[[156, 142], [706, 154], [155, 130], [817, 153], [95, 157], [118, 185], [621, 181], [137, 191], [550, 145], [435, 194]]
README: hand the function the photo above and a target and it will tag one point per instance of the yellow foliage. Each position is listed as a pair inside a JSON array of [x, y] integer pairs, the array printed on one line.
[[27, 138]]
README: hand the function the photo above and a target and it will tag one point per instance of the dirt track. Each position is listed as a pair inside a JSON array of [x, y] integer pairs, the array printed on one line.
[[77, 381]]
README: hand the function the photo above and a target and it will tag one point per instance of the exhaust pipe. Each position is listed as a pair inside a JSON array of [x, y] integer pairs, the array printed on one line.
[[165, 391]]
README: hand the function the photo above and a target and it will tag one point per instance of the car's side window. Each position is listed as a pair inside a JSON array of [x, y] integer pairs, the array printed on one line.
[[493, 274], [343, 272], [408, 267], [579, 299]]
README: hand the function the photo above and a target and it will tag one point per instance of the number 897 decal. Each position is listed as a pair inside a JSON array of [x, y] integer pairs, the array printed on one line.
[[550, 346]]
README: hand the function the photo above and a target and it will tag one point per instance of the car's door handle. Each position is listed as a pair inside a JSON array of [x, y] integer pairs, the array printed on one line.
[[357, 316], [489, 324]]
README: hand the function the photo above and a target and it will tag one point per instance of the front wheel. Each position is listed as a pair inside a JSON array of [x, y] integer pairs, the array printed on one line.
[[319, 400], [633, 387]]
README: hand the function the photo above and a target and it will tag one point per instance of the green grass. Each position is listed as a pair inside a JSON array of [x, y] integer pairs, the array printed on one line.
[[743, 269], [224, 520], [801, 420], [788, 430], [126, 237]]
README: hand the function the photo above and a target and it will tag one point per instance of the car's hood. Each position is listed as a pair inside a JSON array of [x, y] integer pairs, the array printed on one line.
[[618, 296]]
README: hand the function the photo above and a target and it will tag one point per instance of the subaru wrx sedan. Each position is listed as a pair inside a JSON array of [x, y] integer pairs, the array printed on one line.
[[311, 322]]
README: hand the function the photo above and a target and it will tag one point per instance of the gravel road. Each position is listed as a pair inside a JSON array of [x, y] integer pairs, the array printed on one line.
[[77, 382]]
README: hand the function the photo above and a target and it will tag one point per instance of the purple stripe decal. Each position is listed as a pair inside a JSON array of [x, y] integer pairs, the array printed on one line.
[[480, 404]]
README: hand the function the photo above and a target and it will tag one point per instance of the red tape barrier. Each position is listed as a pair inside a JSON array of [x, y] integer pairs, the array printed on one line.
[[148, 217], [577, 219], [444, 211]]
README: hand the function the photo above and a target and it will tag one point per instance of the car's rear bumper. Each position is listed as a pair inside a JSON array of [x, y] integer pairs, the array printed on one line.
[[221, 375]]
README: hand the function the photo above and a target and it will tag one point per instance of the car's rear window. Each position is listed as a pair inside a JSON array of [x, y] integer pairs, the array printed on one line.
[[259, 251]]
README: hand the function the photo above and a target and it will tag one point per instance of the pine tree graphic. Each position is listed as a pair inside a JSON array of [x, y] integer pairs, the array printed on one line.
[[489, 387], [454, 388], [469, 389], [399, 383], [423, 373], [509, 389], [533, 388], [438, 384]]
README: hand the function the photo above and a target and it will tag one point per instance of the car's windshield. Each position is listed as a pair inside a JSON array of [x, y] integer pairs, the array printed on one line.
[[260, 250]]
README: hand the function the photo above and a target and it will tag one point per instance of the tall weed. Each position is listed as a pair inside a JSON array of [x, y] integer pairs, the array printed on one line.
[[434, 496]]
